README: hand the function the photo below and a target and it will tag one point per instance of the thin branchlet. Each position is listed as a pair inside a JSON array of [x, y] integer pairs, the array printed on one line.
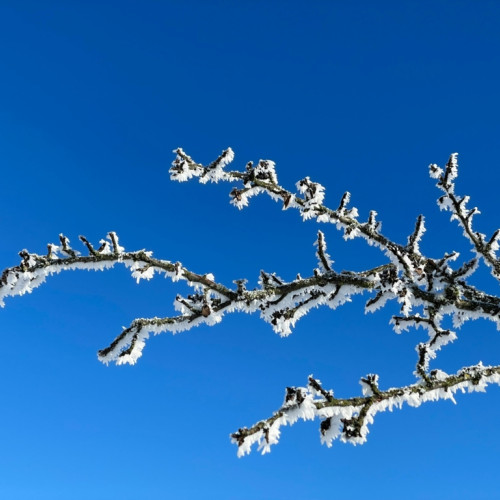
[[457, 205]]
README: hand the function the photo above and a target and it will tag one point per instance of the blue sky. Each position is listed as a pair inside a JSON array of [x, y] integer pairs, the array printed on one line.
[[360, 96]]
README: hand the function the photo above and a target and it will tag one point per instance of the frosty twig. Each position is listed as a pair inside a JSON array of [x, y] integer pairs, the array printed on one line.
[[348, 419]]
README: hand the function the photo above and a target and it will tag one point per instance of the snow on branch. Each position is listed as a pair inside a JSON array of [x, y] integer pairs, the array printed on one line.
[[427, 290], [430, 285], [279, 303], [457, 205], [324, 259], [348, 419]]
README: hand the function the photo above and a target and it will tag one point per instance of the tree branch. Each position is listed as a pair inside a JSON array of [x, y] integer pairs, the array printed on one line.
[[416, 282], [463, 215], [348, 419]]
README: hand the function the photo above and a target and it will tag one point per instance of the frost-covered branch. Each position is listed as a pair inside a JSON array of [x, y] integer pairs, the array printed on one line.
[[348, 419], [414, 280], [280, 303], [427, 290], [207, 301], [309, 200], [430, 285], [457, 205]]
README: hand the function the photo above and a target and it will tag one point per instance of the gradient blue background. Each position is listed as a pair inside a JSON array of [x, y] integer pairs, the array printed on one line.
[[360, 96]]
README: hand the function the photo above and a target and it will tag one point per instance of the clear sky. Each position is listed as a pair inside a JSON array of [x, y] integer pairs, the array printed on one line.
[[360, 96]]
